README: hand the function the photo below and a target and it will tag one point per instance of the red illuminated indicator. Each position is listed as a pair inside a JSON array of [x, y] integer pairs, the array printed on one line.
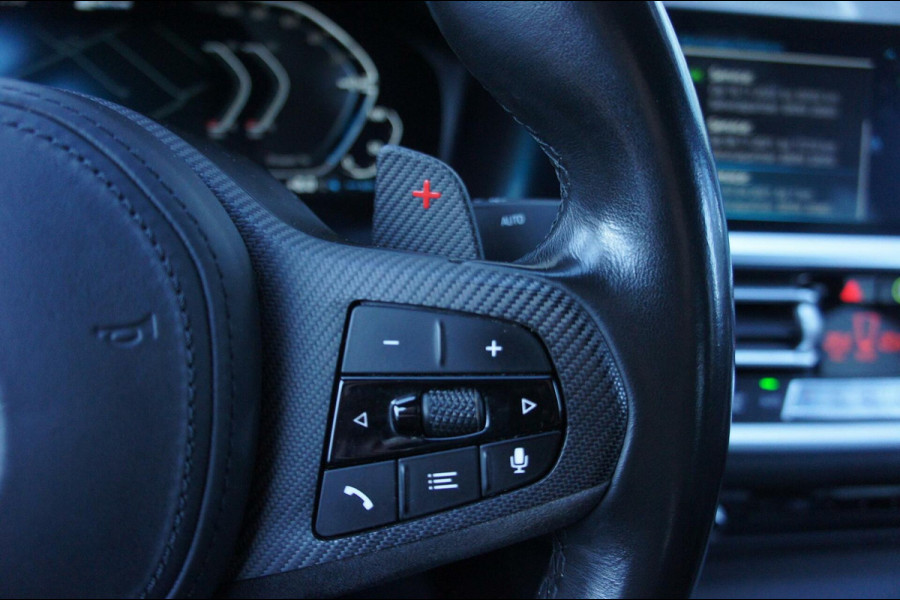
[[866, 326], [426, 194], [852, 292], [867, 340], [889, 342], [838, 345]]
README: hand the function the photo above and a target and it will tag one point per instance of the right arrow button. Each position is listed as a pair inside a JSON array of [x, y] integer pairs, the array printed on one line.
[[522, 406], [528, 406]]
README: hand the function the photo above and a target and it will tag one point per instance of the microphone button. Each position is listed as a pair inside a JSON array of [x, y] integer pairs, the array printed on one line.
[[514, 463]]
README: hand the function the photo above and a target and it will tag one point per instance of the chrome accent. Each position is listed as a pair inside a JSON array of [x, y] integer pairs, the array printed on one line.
[[812, 325], [789, 58], [778, 359], [842, 399], [767, 438], [851, 12], [808, 316], [814, 251], [762, 294]]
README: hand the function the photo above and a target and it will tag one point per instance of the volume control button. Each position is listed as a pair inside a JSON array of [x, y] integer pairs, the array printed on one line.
[[391, 340], [480, 345], [397, 340]]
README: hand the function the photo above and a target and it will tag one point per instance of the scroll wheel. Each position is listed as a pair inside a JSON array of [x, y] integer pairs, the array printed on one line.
[[452, 413]]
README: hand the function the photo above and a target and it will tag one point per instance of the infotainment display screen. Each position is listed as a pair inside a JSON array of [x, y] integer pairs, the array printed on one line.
[[791, 132], [803, 117]]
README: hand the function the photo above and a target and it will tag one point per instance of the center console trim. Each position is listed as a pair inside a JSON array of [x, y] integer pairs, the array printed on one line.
[[813, 251]]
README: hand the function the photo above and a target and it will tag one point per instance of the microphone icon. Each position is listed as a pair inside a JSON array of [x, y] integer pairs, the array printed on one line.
[[518, 462]]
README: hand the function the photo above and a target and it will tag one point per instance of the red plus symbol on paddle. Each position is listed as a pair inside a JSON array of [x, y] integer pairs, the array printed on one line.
[[426, 194]]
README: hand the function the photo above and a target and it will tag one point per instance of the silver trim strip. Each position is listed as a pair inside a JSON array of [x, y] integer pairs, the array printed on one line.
[[765, 295], [776, 359], [854, 12], [808, 316], [812, 324], [814, 251], [771, 438], [789, 58], [842, 400]]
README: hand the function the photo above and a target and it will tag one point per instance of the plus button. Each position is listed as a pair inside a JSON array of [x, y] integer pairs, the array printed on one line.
[[494, 349], [426, 194]]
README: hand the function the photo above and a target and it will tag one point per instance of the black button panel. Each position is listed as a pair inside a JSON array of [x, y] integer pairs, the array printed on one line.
[[407, 341], [368, 496], [454, 407], [380, 418]]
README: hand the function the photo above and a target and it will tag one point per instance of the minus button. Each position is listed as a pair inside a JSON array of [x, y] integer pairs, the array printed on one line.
[[388, 340]]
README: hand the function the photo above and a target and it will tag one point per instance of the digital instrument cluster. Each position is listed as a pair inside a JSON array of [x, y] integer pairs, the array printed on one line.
[[278, 82]]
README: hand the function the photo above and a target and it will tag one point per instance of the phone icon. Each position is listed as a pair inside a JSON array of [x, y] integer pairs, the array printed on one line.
[[352, 491]]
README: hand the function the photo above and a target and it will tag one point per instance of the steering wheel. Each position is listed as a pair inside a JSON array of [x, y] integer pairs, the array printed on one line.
[[172, 323]]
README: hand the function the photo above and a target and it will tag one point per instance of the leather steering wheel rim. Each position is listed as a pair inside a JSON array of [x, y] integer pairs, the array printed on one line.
[[630, 294], [563, 75]]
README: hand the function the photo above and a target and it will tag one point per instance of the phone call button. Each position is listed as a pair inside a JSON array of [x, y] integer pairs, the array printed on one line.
[[357, 498]]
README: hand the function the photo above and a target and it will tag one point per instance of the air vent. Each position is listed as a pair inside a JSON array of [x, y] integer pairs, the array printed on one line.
[[777, 327]]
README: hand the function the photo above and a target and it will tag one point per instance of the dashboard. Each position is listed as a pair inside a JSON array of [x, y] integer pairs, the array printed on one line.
[[805, 129], [803, 114]]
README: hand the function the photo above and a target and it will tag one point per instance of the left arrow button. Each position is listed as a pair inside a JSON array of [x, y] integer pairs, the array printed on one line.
[[361, 426]]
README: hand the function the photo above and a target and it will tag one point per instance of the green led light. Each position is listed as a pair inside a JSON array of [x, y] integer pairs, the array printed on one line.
[[895, 290], [769, 384], [698, 74]]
